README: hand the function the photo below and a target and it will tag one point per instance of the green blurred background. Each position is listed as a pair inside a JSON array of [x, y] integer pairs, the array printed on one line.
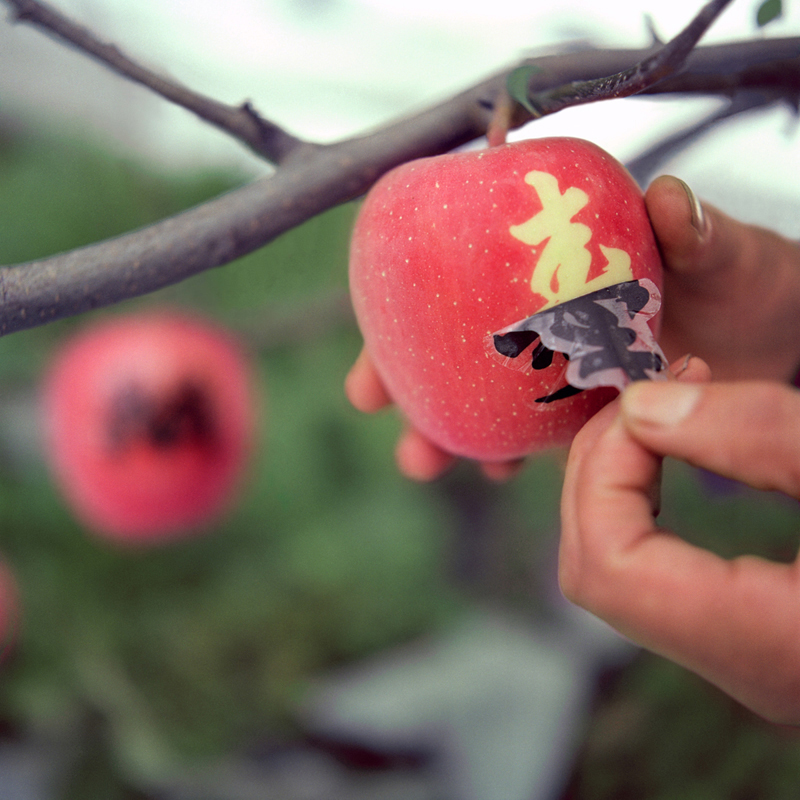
[[135, 667]]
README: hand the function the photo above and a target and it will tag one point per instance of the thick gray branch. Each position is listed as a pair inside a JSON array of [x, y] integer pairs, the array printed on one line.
[[312, 179]]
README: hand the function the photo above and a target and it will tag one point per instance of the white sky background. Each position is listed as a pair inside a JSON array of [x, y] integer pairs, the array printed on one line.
[[331, 68]]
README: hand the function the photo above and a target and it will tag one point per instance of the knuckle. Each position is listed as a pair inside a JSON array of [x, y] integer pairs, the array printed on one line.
[[587, 581]]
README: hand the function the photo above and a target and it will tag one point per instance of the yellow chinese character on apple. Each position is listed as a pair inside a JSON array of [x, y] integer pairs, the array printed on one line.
[[562, 270]]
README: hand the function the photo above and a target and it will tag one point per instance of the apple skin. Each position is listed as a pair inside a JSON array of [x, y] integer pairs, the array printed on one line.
[[149, 420], [449, 249]]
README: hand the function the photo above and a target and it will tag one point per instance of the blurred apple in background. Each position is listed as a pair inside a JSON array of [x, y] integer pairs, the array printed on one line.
[[149, 420]]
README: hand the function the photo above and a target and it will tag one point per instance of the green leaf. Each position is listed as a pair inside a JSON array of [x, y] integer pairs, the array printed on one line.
[[517, 85], [768, 11]]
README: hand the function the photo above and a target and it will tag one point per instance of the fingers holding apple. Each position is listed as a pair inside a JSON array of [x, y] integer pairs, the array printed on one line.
[[417, 457], [448, 250], [363, 386]]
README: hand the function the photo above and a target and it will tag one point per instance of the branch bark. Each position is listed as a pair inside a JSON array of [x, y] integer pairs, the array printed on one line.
[[312, 178], [666, 61]]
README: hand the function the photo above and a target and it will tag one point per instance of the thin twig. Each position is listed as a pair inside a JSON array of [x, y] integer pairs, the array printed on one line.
[[242, 122], [666, 61]]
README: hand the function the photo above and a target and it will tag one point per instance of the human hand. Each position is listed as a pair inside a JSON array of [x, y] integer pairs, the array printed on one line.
[[731, 290], [737, 622]]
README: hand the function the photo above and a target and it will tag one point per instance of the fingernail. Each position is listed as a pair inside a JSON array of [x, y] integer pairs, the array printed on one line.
[[662, 404], [699, 220], [684, 364]]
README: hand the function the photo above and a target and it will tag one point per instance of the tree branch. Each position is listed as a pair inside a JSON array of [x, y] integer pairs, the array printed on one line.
[[242, 122], [666, 61], [312, 179]]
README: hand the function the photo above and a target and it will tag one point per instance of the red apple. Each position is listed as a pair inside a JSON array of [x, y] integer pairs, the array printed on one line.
[[449, 249], [149, 421]]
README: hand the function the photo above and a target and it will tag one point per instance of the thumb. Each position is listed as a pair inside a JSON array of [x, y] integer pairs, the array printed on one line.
[[748, 431], [709, 258], [731, 290], [699, 242]]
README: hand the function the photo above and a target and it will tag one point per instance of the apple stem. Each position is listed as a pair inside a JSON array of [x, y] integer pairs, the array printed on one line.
[[500, 121]]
